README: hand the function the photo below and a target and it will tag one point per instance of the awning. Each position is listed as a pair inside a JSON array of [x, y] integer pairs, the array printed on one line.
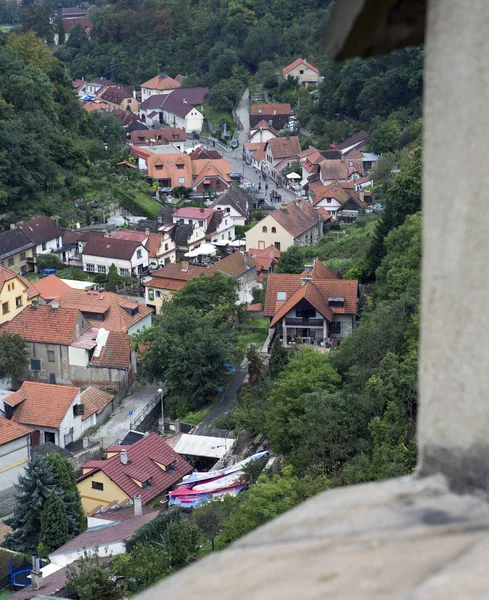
[[304, 182], [203, 250], [293, 176], [238, 243]]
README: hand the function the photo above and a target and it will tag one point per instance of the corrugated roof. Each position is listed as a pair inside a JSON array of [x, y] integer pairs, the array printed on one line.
[[202, 445], [143, 457], [109, 534]]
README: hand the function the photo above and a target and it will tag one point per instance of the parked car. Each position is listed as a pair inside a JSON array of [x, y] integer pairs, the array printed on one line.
[[234, 144], [236, 176]]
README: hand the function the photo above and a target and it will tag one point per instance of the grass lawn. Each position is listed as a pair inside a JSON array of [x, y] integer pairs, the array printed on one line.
[[5, 594], [195, 417], [147, 205], [214, 116]]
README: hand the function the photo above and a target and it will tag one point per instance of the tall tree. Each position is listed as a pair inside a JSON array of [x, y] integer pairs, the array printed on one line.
[[33, 489], [291, 261], [54, 523], [14, 357], [92, 580], [65, 479]]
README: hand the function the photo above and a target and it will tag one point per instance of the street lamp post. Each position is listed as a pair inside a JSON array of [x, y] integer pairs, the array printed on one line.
[[160, 392]]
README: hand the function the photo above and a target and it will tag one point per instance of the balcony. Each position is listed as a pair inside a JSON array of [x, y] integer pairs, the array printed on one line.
[[301, 322]]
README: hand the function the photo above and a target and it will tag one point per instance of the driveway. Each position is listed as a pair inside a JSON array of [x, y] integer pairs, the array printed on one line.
[[243, 114], [120, 421], [228, 398]]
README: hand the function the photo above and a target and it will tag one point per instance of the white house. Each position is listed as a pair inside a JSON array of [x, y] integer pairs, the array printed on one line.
[[95, 86], [100, 253], [262, 132], [234, 202], [171, 110], [159, 85], [53, 412], [43, 232], [218, 226], [279, 153], [15, 451]]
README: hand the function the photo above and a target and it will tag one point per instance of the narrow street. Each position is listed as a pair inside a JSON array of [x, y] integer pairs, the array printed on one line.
[[120, 421], [228, 398]]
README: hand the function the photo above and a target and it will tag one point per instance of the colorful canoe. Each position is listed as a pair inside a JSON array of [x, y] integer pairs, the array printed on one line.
[[210, 475]]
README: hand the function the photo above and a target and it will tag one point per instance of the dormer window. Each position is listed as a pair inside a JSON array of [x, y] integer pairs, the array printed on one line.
[[159, 167], [180, 166], [336, 302]]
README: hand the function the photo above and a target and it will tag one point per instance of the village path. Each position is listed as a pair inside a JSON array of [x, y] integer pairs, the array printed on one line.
[[120, 421], [243, 114], [229, 397]]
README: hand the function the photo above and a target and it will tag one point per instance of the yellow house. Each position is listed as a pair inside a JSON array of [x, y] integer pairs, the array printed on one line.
[[296, 223], [16, 292], [303, 71], [120, 97], [148, 468]]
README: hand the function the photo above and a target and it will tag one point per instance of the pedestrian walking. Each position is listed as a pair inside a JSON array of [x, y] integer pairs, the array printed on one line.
[[266, 187]]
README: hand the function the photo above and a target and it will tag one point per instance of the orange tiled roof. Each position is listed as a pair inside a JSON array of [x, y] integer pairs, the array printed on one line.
[[10, 431], [113, 306], [161, 82], [179, 272], [265, 258], [332, 190], [297, 62], [233, 265], [45, 324], [45, 405], [169, 168], [324, 213], [284, 147], [340, 169], [210, 168], [153, 244], [319, 271], [116, 354], [317, 292], [163, 283], [270, 109], [94, 400], [50, 287]]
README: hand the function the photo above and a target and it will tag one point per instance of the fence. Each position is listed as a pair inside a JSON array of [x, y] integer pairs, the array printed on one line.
[[138, 419]]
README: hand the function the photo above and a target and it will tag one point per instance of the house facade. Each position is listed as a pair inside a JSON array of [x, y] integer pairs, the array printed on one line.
[[159, 85], [100, 253], [16, 292], [120, 97], [15, 451], [305, 73], [280, 153], [146, 468], [16, 251], [53, 412], [262, 132], [236, 203], [276, 115], [243, 268], [297, 224], [168, 280]]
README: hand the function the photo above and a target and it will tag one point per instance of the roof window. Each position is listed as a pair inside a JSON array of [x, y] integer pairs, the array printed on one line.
[[281, 296], [336, 302]]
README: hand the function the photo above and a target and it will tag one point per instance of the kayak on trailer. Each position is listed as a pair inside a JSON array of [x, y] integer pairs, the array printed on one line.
[[210, 475]]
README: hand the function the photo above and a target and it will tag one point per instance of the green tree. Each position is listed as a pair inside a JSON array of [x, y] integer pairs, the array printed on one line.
[[255, 364], [65, 479], [14, 357], [279, 358], [308, 371], [273, 495], [209, 518], [181, 541], [60, 31], [33, 489], [144, 565], [92, 580], [54, 523], [49, 261], [385, 138], [113, 277], [291, 261]]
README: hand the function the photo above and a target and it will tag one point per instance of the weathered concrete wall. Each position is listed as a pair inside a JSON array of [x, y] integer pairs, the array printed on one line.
[[454, 375]]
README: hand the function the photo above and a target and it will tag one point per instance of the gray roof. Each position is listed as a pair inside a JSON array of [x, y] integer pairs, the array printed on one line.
[[181, 234], [13, 241], [237, 197]]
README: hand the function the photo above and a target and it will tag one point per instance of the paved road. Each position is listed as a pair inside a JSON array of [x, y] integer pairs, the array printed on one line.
[[120, 421], [228, 399], [243, 113]]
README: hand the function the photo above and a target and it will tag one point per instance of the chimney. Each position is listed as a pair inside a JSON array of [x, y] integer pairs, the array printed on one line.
[[106, 234], [271, 252], [314, 262], [261, 135], [36, 579], [274, 112], [147, 231], [184, 266], [123, 457], [138, 507], [305, 280], [245, 259]]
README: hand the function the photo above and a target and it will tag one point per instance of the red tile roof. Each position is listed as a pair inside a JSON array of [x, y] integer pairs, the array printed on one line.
[[154, 243], [324, 213], [116, 309], [101, 536], [161, 82], [265, 258], [340, 168], [143, 457], [116, 353], [358, 139], [296, 217], [194, 213], [332, 190], [167, 135], [10, 431], [319, 271], [95, 401], [45, 324], [180, 272], [233, 265], [317, 292], [163, 283], [255, 307], [129, 234], [50, 287], [298, 61], [44, 405], [270, 109]]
